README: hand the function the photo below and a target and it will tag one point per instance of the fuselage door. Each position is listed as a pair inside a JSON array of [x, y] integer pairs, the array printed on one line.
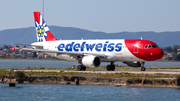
[[136, 47]]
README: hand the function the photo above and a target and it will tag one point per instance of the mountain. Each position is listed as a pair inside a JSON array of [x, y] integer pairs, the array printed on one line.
[[28, 35]]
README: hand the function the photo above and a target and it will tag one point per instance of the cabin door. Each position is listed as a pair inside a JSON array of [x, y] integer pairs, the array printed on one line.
[[136, 47]]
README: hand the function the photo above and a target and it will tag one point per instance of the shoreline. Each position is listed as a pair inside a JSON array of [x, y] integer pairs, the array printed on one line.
[[95, 82], [75, 78]]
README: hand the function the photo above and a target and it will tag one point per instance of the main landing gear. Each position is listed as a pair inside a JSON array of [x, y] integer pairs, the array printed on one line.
[[142, 66], [81, 68], [110, 67]]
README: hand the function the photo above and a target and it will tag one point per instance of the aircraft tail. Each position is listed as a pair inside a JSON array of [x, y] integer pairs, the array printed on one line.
[[42, 31]]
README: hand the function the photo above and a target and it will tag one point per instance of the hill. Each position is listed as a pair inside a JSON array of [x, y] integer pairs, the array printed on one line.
[[27, 35]]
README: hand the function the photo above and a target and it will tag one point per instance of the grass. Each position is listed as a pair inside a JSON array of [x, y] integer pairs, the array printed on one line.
[[6, 72], [110, 75]]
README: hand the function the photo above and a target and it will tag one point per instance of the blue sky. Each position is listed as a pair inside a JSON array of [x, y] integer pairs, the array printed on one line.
[[96, 15]]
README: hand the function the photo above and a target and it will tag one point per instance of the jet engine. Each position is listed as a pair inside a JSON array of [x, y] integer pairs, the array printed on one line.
[[90, 61], [133, 63]]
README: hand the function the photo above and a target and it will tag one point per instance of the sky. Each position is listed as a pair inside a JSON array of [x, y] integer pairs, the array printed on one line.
[[108, 16]]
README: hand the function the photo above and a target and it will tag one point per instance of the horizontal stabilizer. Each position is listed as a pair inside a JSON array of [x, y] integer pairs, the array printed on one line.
[[12, 48], [26, 45]]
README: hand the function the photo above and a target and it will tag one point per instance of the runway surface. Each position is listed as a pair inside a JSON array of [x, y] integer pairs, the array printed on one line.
[[162, 71], [155, 71]]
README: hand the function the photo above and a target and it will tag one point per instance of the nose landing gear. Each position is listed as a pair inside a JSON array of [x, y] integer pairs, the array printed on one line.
[[142, 66]]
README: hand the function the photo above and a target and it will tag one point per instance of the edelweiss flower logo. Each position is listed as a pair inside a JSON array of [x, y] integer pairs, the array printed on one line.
[[41, 29]]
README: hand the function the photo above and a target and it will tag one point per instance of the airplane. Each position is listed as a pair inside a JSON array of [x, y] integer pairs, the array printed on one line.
[[90, 53]]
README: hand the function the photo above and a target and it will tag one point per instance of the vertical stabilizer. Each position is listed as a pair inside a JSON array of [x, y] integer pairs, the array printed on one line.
[[42, 31]]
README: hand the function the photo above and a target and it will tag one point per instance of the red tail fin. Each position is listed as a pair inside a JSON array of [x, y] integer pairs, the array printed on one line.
[[42, 31]]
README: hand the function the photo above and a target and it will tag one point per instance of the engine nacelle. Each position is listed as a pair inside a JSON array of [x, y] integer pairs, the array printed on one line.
[[90, 61], [133, 63]]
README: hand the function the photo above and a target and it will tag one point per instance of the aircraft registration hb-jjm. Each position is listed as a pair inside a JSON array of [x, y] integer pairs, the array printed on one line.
[[90, 53]]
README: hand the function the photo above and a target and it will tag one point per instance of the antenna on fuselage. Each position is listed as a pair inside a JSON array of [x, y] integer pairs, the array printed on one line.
[[141, 38], [81, 38]]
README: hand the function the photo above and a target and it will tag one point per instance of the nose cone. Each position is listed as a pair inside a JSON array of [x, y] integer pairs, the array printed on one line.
[[159, 53], [153, 54], [156, 54]]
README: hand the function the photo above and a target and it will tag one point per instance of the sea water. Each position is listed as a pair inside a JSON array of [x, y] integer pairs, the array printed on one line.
[[57, 92]]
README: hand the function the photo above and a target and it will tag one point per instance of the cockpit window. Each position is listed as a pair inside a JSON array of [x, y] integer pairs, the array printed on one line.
[[157, 46], [151, 46], [154, 46]]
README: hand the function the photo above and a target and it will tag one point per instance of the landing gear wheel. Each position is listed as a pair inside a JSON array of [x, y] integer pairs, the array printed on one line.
[[83, 68], [79, 67], [108, 67], [143, 68], [112, 67]]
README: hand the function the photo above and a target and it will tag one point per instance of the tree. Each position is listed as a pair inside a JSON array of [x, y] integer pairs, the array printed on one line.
[[1, 48], [9, 47], [174, 48], [176, 57], [5, 47], [169, 49]]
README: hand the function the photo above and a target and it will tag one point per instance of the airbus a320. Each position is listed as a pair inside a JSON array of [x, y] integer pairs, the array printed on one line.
[[90, 53]]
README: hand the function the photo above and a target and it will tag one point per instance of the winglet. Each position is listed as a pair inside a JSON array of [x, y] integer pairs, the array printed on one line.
[[12, 48]]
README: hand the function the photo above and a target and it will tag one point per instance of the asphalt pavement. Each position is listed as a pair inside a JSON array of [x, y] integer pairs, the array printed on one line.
[[155, 71]]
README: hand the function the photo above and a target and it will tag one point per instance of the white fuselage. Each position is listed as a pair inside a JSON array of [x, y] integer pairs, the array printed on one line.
[[114, 50]]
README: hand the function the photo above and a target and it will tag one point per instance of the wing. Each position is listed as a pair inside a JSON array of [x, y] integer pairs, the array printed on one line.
[[59, 52], [64, 52]]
